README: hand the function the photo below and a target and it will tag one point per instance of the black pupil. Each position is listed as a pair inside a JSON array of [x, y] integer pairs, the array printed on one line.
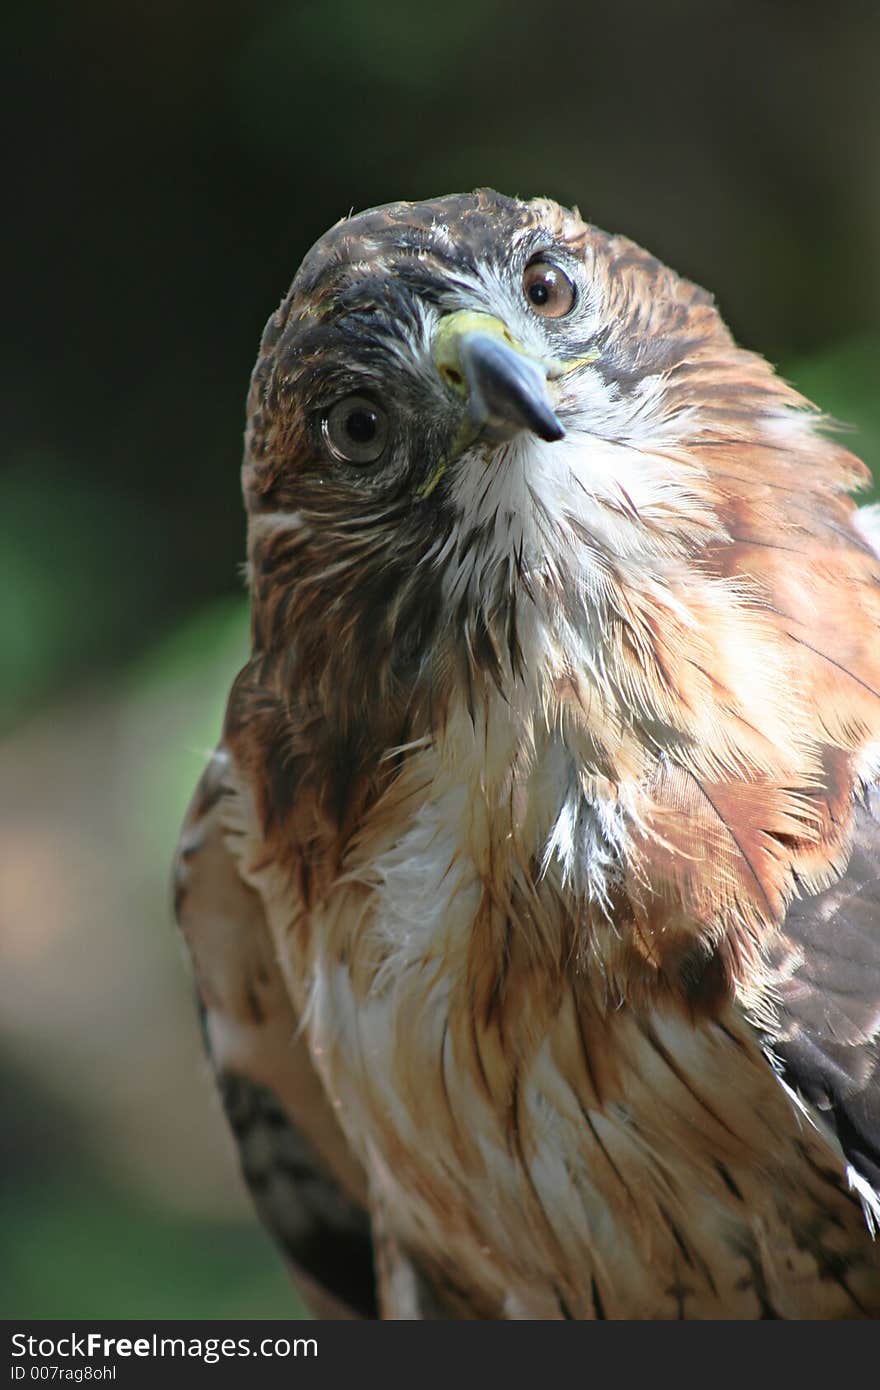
[[539, 291], [361, 425]]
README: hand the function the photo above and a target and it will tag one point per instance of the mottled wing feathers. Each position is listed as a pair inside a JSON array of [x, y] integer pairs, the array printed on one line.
[[826, 965], [307, 1186], [324, 1234]]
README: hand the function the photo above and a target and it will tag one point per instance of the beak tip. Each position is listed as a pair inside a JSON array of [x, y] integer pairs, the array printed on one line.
[[507, 390], [552, 431]]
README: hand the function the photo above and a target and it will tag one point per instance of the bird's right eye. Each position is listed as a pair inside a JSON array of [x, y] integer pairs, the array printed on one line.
[[355, 430]]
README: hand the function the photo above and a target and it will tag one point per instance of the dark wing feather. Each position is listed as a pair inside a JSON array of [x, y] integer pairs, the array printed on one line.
[[326, 1236], [827, 964], [307, 1187]]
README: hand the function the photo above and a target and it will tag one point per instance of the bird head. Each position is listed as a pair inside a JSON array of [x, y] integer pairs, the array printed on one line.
[[496, 457], [465, 401]]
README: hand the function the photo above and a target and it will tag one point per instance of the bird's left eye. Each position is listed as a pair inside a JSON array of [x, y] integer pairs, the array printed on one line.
[[355, 430], [548, 289]]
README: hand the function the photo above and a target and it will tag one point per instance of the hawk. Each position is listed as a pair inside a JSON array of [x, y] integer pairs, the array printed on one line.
[[533, 891]]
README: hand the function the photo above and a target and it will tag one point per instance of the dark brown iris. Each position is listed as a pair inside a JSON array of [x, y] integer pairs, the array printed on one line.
[[548, 289]]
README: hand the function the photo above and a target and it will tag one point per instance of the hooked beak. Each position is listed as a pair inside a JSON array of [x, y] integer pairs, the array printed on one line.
[[505, 389]]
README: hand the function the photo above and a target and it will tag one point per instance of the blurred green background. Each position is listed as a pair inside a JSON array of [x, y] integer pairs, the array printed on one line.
[[166, 167]]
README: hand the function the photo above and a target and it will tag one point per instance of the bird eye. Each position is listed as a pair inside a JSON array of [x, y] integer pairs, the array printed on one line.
[[355, 430], [548, 289]]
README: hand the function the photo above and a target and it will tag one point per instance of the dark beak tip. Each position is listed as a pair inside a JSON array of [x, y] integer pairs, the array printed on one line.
[[552, 431], [506, 389], [539, 416]]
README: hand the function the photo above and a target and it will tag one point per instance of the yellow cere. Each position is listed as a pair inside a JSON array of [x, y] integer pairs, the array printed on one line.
[[452, 329]]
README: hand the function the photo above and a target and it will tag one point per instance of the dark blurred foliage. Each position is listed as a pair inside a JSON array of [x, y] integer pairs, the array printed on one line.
[[170, 163], [166, 167]]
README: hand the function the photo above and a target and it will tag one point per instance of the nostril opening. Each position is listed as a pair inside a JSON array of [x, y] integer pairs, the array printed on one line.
[[453, 377]]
